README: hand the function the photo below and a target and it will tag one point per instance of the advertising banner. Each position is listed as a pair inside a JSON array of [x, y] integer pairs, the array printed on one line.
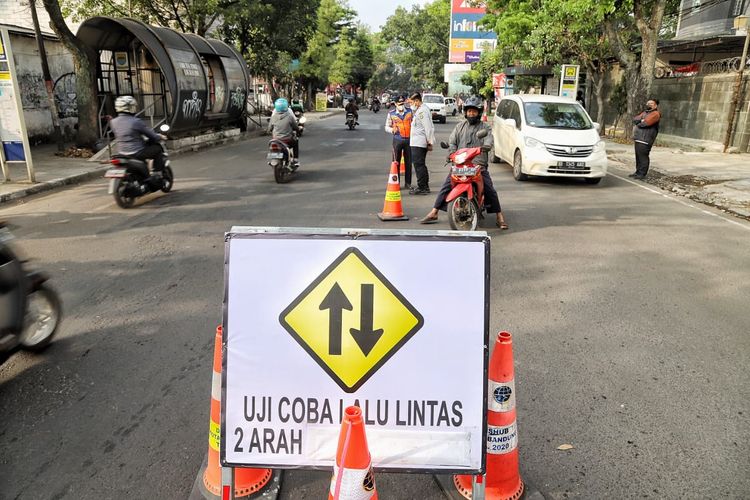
[[11, 127], [468, 38], [320, 319]]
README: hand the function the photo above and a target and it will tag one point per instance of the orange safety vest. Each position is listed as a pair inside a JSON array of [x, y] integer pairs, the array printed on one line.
[[403, 125]]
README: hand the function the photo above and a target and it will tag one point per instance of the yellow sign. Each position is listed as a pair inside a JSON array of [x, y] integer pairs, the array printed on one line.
[[351, 320]]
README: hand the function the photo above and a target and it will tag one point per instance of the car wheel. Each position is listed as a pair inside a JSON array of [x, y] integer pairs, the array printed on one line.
[[443, 119], [518, 167], [593, 180], [455, 112]]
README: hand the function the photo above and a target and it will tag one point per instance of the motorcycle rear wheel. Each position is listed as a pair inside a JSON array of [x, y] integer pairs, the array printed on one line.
[[168, 180], [281, 174], [43, 315], [463, 214], [122, 200]]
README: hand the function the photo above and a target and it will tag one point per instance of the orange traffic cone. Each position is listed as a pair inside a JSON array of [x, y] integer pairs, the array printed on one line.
[[402, 169], [503, 480], [246, 481], [352, 475], [392, 209]]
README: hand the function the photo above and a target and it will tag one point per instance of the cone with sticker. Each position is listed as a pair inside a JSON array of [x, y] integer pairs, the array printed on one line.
[[402, 168], [352, 475], [392, 209], [503, 480], [247, 481]]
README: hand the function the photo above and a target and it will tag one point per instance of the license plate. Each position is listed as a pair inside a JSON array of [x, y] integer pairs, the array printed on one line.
[[571, 164], [463, 171], [275, 156], [115, 172]]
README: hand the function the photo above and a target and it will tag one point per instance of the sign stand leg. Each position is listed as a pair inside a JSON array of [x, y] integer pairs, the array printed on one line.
[[4, 165], [227, 483], [477, 488]]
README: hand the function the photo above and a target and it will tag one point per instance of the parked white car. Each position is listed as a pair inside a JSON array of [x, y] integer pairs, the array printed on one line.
[[450, 106], [548, 136], [436, 103]]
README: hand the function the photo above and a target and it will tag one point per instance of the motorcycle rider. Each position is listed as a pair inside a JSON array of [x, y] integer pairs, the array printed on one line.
[[464, 135], [351, 107], [283, 126], [375, 103], [296, 105], [129, 131]]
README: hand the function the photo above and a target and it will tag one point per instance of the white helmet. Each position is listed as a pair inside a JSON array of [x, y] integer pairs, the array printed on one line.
[[126, 104]]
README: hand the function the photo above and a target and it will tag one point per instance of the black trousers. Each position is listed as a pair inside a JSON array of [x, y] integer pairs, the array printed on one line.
[[152, 152], [642, 161], [401, 149], [491, 200], [418, 159]]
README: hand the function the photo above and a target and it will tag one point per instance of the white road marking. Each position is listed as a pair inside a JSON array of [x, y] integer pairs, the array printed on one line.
[[673, 198]]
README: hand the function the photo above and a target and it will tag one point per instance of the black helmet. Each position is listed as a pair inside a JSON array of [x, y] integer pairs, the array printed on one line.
[[476, 103]]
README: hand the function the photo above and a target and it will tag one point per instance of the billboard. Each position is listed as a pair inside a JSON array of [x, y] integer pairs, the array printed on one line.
[[468, 38]]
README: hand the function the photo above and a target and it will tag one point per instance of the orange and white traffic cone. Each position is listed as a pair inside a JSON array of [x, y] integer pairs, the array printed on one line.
[[502, 481], [402, 168], [352, 475], [247, 481], [392, 209]]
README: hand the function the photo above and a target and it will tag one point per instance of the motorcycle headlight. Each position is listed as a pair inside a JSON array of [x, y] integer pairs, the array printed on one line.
[[600, 146], [533, 143]]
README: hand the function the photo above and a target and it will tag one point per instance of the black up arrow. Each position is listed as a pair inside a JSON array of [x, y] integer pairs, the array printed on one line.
[[336, 301], [366, 337]]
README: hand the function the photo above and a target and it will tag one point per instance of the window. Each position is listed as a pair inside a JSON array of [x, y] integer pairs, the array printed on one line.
[[561, 115], [503, 111], [433, 99], [515, 114]]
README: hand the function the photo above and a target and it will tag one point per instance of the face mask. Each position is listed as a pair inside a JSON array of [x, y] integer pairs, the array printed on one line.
[[649, 108], [400, 107]]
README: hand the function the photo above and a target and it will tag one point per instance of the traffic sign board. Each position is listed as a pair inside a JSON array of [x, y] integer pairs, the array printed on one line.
[[351, 319]]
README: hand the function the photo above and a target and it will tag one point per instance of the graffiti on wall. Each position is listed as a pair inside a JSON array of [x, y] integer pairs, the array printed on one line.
[[219, 94], [237, 98], [33, 93], [65, 96], [192, 108]]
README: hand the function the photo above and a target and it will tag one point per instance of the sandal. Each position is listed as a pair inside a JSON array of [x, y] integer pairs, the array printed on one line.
[[428, 220], [502, 225]]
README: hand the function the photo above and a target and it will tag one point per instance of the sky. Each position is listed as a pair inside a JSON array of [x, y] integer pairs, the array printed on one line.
[[375, 12]]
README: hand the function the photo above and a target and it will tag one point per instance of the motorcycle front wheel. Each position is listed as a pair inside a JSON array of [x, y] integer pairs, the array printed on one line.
[[281, 173], [122, 200], [463, 214], [168, 180], [43, 315]]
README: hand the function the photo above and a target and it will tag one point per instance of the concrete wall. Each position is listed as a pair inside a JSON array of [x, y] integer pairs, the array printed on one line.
[[36, 109]]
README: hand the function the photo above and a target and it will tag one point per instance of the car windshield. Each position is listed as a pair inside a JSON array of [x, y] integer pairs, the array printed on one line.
[[433, 99], [556, 115]]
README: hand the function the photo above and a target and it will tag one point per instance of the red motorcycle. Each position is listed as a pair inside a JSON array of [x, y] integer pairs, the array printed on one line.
[[466, 198]]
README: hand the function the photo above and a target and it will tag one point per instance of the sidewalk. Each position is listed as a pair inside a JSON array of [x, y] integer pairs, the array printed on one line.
[[52, 171], [717, 179]]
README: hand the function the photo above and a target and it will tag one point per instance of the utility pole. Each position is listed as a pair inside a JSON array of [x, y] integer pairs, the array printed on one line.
[[740, 24], [47, 78]]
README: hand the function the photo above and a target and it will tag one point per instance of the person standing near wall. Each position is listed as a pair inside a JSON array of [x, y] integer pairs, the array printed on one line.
[[422, 139], [645, 130]]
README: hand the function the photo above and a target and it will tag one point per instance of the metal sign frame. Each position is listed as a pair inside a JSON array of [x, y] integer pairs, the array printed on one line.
[[326, 234]]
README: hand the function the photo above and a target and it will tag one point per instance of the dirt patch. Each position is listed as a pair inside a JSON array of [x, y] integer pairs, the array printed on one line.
[[74, 152]]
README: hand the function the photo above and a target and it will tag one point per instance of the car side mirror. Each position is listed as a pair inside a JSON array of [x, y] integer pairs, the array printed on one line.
[[444, 145], [597, 126]]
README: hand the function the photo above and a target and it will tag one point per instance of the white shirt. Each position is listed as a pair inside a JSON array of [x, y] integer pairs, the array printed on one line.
[[422, 129]]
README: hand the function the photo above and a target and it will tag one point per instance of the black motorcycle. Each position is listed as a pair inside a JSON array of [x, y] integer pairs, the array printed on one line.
[[30, 310], [350, 121], [131, 178], [300, 122], [375, 106]]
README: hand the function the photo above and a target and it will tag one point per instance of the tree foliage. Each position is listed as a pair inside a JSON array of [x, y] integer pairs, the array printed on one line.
[[423, 34], [354, 58]]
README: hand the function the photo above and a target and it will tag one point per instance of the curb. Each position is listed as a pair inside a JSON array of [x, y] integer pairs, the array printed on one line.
[[53, 184]]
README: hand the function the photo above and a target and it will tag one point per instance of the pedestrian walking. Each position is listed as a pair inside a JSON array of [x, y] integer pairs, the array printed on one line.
[[645, 130], [398, 123], [422, 140]]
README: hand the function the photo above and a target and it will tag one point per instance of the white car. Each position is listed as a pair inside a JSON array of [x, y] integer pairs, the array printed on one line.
[[450, 106], [547, 136], [436, 103]]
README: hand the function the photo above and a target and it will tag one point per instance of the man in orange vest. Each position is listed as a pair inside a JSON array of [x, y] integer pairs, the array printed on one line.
[[398, 123]]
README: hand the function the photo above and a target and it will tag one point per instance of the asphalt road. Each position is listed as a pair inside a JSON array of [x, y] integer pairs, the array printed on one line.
[[629, 310]]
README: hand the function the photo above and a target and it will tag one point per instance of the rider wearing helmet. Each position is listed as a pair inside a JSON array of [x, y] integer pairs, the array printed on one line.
[[130, 130], [283, 126], [464, 135], [351, 107]]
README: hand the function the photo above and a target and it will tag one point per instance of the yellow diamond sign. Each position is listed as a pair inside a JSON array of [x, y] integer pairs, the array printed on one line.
[[351, 320]]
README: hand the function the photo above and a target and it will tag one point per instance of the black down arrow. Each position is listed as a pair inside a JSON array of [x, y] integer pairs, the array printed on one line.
[[366, 337]]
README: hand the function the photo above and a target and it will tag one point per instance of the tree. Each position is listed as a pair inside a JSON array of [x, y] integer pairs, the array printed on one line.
[[188, 16], [423, 33], [84, 59], [354, 59]]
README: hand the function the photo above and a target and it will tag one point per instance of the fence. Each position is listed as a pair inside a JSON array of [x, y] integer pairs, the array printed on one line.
[[719, 66]]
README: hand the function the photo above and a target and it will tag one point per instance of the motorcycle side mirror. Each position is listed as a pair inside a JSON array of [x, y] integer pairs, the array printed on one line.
[[302, 120], [482, 134], [164, 128], [444, 145]]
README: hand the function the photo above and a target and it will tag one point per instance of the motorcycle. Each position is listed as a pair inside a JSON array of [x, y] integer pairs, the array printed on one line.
[[350, 121], [281, 158], [375, 106], [300, 124], [30, 310], [131, 178], [466, 198]]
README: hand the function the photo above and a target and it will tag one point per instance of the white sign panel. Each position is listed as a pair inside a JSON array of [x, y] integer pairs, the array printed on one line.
[[317, 320]]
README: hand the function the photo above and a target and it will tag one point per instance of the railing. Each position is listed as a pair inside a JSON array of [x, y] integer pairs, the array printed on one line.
[[728, 65]]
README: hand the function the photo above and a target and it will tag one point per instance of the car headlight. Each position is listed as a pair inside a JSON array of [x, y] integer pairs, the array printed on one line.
[[600, 146], [533, 143]]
